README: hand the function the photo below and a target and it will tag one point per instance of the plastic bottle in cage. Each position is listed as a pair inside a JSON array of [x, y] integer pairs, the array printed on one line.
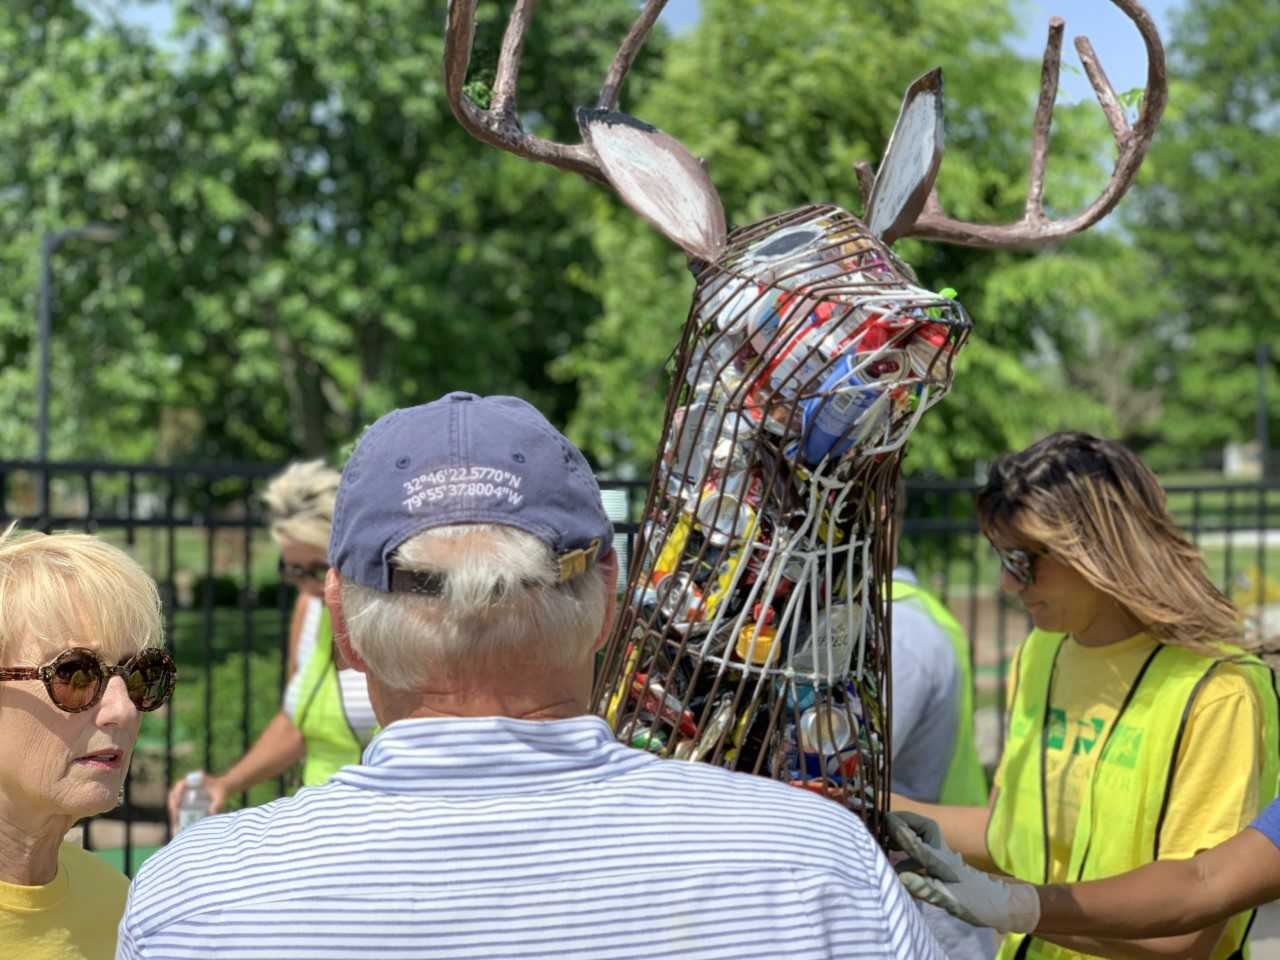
[[714, 367], [695, 430], [778, 308], [728, 304], [684, 452], [797, 364], [828, 650]]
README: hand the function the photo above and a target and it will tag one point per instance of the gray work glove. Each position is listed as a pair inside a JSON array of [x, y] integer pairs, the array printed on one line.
[[973, 896]]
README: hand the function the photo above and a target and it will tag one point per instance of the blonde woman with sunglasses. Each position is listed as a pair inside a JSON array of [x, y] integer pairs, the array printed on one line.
[[326, 719], [80, 660], [1138, 729]]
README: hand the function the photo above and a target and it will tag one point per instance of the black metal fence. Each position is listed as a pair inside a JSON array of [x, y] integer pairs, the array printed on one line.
[[199, 532]]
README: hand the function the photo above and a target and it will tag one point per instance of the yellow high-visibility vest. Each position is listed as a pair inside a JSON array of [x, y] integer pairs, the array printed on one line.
[[321, 718], [965, 782], [1122, 813]]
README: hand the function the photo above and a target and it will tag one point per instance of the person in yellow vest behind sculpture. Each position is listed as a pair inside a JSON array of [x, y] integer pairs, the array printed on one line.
[[935, 756], [326, 719], [1138, 729]]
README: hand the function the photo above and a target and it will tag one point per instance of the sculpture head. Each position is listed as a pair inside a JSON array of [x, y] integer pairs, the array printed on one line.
[[756, 633]]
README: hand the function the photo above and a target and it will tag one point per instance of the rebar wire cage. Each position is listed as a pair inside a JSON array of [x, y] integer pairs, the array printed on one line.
[[756, 633]]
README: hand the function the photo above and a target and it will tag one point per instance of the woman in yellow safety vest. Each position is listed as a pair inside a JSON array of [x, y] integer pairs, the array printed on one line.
[[326, 719], [1138, 729]]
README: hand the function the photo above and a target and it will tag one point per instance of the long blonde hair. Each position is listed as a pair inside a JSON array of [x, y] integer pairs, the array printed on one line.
[[1096, 507], [71, 589], [301, 499]]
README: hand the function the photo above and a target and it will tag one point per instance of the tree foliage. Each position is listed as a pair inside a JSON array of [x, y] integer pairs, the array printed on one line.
[[781, 99], [1209, 218], [309, 236]]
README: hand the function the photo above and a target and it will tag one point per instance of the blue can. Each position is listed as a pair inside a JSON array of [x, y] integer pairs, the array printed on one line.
[[845, 399]]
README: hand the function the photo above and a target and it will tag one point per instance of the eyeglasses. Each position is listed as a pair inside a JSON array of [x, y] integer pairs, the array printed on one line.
[[77, 678], [295, 571], [1020, 564]]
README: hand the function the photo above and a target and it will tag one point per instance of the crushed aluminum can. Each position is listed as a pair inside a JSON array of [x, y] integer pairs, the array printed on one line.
[[797, 365], [639, 734], [684, 750], [831, 418], [655, 700], [720, 723], [724, 518], [680, 601], [826, 730]]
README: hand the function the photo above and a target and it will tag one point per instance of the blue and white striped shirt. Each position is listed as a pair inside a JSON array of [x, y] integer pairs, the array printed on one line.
[[493, 837]]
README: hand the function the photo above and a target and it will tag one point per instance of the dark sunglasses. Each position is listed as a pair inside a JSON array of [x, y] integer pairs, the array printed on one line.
[[1020, 564], [295, 572], [77, 678]]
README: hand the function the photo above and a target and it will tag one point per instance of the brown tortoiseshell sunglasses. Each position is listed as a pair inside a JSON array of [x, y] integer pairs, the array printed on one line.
[[77, 678]]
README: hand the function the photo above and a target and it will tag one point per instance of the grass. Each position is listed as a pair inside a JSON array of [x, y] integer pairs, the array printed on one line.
[[115, 857], [198, 551]]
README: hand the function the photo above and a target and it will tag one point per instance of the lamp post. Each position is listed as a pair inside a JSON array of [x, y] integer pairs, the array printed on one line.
[[98, 233]]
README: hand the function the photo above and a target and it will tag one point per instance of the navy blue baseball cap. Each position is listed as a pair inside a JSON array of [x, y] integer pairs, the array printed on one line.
[[463, 459]]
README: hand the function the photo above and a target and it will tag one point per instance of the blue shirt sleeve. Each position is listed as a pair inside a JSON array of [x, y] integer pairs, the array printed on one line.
[[1268, 822]]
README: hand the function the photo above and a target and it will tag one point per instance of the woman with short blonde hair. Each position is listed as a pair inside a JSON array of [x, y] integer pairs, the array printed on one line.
[[80, 656], [326, 718]]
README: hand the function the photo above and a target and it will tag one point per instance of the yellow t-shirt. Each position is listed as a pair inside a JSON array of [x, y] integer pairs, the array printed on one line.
[[1214, 794], [73, 917]]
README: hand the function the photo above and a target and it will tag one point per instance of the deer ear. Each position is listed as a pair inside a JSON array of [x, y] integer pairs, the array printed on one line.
[[911, 161], [658, 179]]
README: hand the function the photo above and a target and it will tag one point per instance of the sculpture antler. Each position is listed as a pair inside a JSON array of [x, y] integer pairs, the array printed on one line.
[[500, 124], [1132, 143]]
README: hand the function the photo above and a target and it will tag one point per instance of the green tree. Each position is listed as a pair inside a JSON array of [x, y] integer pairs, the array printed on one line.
[[781, 99], [1207, 214], [309, 237]]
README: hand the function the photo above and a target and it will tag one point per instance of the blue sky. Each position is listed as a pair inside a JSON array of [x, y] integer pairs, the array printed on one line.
[[1118, 45]]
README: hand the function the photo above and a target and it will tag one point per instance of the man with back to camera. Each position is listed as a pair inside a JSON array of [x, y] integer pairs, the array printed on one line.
[[472, 581]]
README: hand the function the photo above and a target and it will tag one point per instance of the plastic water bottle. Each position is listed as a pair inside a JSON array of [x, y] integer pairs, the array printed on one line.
[[195, 801]]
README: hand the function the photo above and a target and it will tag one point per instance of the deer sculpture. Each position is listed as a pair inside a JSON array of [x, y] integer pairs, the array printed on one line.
[[756, 633]]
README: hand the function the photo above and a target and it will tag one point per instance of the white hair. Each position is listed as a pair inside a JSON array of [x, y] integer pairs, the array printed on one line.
[[501, 602]]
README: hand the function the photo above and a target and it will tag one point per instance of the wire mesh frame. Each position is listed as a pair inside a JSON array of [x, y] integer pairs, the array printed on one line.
[[756, 634]]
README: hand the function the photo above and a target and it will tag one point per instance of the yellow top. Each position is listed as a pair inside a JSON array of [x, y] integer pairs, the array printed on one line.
[[1214, 793], [73, 917]]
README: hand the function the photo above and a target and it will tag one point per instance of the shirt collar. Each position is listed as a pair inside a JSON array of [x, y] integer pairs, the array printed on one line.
[[493, 756]]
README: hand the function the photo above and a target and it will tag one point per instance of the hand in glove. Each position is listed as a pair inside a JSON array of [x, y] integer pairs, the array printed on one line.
[[953, 885]]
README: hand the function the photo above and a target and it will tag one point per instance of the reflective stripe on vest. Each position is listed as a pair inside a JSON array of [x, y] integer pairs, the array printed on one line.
[[321, 717], [1122, 813], [965, 782]]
